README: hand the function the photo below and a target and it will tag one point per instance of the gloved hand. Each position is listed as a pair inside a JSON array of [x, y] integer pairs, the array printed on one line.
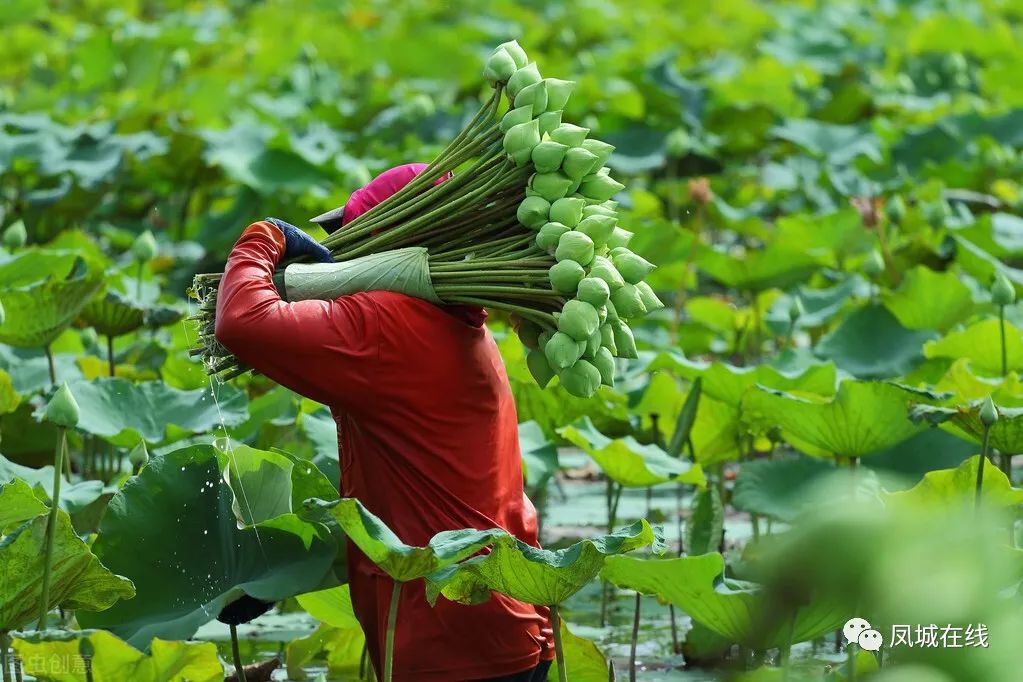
[[297, 244]]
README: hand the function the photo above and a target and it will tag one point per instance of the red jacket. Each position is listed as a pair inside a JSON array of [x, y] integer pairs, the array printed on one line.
[[428, 440]]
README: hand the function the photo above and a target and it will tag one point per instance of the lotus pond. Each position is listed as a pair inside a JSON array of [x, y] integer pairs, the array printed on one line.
[[806, 474]]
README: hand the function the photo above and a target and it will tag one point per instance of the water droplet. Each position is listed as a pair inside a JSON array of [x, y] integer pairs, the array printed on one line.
[[205, 532]]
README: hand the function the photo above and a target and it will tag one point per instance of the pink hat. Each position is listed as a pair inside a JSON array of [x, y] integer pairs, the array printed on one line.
[[365, 198]]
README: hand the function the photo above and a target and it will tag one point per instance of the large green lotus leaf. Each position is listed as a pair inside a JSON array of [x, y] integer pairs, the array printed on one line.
[[789, 487], [539, 455], [112, 315], [37, 315], [980, 343], [537, 576], [871, 344], [820, 306], [584, 662], [930, 300], [862, 418], [716, 432], [404, 562], [122, 412], [342, 648], [729, 383], [261, 483], [113, 660], [954, 490], [983, 265], [211, 561], [629, 463], [18, 504], [73, 498], [773, 267], [706, 522], [838, 235], [332, 606], [33, 265], [1006, 434], [77, 578], [732, 609], [960, 380]]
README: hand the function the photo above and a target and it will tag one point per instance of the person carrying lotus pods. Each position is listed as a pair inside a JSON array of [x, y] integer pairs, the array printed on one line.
[[427, 433]]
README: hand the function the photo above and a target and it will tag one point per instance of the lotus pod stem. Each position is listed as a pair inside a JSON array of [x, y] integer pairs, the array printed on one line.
[[51, 523]]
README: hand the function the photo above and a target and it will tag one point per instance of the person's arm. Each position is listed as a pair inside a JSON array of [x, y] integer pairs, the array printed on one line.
[[324, 350]]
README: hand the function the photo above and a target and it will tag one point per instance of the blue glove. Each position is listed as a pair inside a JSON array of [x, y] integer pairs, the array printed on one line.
[[297, 244]]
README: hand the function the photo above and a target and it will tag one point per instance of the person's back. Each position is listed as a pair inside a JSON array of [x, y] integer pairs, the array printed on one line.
[[428, 441]]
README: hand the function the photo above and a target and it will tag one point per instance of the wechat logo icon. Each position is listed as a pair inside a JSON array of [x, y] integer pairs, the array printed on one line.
[[858, 631]]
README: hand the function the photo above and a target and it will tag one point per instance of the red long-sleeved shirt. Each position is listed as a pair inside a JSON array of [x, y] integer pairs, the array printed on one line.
[[428, 441]]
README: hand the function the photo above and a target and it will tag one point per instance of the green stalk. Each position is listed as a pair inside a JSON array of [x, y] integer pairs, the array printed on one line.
[[51, 366], [1001, 324], [239, 669], [110, 356], [51, 523], [559, 647], [851, 651], [5, 641], [138, 281], [543, 319], [496, 290], [635, 640], [392, 619], [980, 467]]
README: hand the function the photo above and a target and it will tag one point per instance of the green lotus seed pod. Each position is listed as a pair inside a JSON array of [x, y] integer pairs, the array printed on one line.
[[549, 120], [632, 267], [605, 270], [516, 117], [578, 162], [533, 211], [575, 246], [15, 236], [551, 186], [62, 409], [796, 309], [600, 186], [605, 364], [548, 155], [628, 302], [594, 291], [144, 247], [534, 95], [558, 92], [578, 319], [562, 351], [565, 276], [139, 455], [874, 265], [569, 134], [549, 235], [649, 298], [515, 51], [607, 338], [581, 379], [602, 150], [592, 344], [988, 412], [526, 75], [520, 140], [1002, 291], [624, 340], [499, 67], [599, 209], [567, 211], [598, 228], [619, 238], [529, 333], [539, 367]]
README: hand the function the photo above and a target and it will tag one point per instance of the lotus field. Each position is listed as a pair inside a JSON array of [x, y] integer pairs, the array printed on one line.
[[753, 269]]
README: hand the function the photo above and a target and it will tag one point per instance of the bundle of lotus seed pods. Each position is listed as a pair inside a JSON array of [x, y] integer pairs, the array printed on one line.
[[526, 225]]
